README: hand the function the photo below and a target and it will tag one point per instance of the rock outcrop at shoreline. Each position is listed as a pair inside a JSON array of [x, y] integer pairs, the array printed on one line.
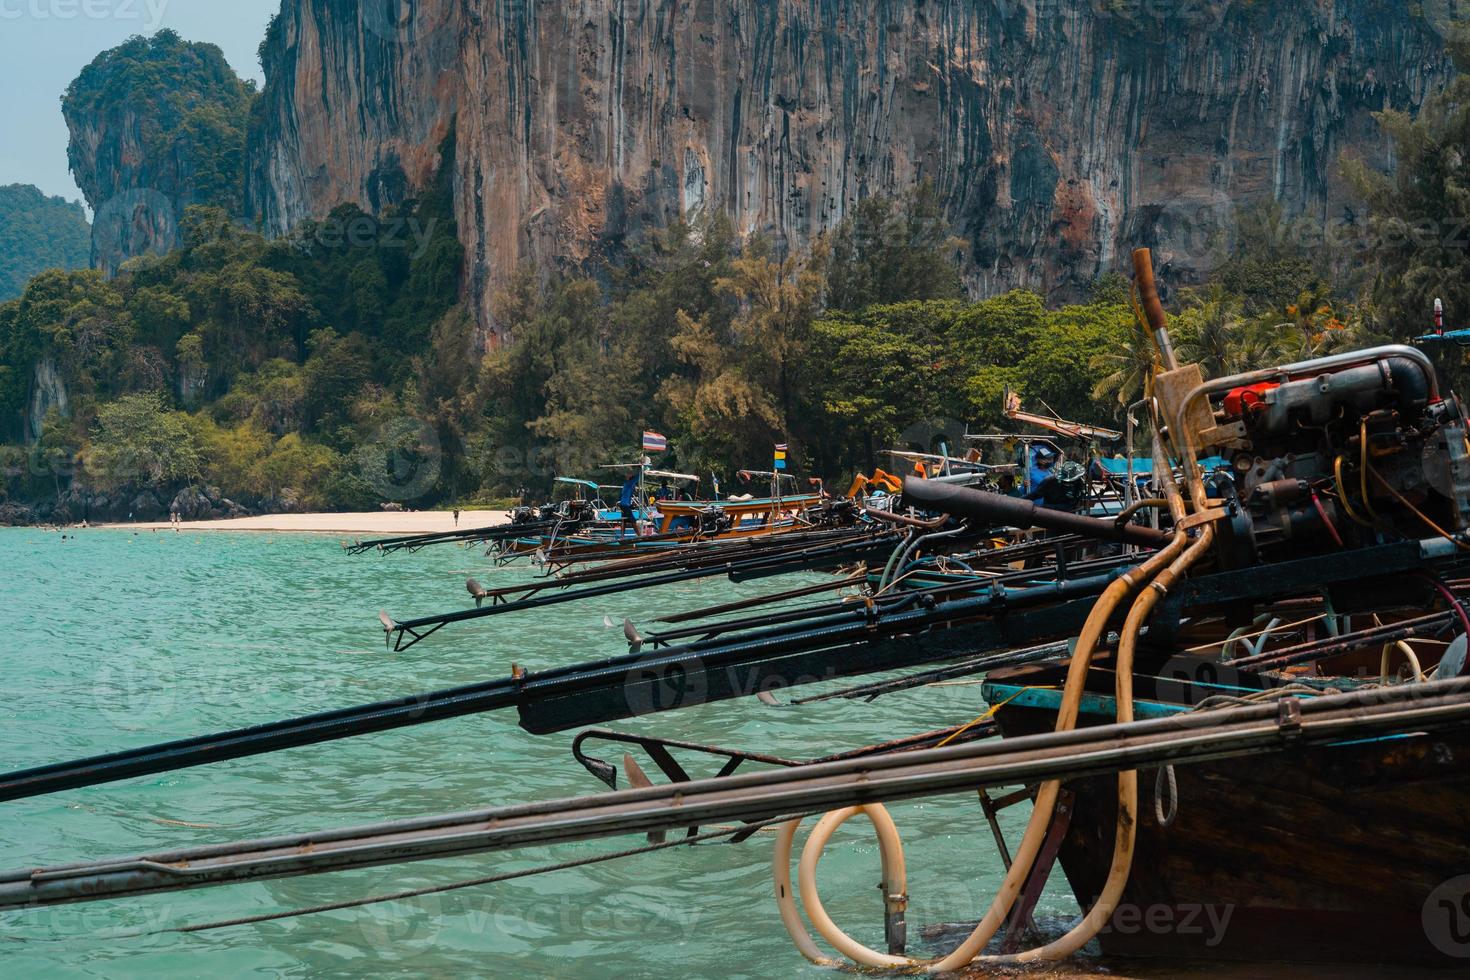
[[1059, 133], [140, 504]]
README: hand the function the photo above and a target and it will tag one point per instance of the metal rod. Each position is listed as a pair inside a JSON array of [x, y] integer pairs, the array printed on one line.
[[766, 600], [410, 632], [1195, 737]]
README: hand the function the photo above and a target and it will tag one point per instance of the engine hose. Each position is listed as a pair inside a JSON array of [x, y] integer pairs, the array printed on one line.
[[1030, 846], [790, 917], [1409, 655], [1126, 836], [1036, 829], [898, 550], [895, 881], [895, 569], [1168, 564]]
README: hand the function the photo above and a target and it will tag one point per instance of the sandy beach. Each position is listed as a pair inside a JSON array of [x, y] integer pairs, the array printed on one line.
[[380, 524]]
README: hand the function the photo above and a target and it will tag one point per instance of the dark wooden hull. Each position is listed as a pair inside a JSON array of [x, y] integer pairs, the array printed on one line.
[[1337, 854]]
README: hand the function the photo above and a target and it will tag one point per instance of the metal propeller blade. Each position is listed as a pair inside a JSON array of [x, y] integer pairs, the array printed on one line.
[[635, 641], [638, 779]]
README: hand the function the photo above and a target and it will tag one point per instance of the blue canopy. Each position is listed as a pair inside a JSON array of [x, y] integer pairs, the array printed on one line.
[[1144, 466]]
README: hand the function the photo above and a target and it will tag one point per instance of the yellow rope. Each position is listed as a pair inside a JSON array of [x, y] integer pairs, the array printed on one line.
[[993, 709]]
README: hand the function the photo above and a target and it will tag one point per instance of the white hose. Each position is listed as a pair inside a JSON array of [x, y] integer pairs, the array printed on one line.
[[895, 884], [894, 877]]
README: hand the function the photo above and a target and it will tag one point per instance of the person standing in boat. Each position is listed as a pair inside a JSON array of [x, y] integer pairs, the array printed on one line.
[[1042, 486], [625, 502]]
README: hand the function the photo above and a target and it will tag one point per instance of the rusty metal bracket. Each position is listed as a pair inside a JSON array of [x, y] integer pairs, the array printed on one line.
[[1020, 921]]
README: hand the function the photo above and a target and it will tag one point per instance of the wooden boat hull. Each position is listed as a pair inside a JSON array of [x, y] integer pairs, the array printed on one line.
[[1348, 853]]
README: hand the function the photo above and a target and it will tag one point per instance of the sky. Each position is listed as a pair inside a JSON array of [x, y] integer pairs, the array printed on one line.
[[44, 44]]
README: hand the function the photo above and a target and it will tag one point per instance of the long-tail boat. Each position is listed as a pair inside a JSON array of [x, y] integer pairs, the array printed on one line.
[[1277, 665]]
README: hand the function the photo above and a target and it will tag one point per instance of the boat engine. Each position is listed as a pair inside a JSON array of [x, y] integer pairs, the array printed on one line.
[[1338, 453]]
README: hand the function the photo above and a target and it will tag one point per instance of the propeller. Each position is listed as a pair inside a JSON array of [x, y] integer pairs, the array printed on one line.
[[477, 590], [635, 641], [388, 626], [638, 779]]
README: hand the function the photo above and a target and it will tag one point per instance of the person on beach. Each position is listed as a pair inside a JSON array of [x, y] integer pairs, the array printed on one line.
[[456, 517]]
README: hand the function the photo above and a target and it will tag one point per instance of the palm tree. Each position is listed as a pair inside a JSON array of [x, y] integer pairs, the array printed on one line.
[[1125, 374], [1210, 328]]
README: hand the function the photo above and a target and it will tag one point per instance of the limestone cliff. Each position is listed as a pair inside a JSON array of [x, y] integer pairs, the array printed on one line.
[[157, 124], [1059, 132]]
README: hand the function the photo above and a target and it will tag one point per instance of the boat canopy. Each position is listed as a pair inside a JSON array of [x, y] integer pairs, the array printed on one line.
[[1144, 466], [664, 475]]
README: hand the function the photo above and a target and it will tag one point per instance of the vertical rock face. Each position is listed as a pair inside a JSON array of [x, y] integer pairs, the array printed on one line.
[[48, 392], [1058, 132], [135, 210]]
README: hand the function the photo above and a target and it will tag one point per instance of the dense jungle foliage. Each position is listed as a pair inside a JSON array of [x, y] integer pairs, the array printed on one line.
[[38, 233]]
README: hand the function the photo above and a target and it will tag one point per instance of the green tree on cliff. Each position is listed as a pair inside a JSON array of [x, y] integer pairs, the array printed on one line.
[[889, 250], [1419, 219], [189, 112]]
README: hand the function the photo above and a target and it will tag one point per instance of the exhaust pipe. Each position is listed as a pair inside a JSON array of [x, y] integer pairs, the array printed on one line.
[[1015, 512]]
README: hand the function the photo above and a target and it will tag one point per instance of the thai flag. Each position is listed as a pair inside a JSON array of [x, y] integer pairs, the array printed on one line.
[[654, 443]]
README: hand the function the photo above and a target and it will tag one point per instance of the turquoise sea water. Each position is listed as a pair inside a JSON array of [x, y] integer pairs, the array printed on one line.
[[115, 639]]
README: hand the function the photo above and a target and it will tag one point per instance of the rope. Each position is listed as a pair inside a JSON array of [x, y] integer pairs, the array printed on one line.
[[1166, 819], [990, 713]]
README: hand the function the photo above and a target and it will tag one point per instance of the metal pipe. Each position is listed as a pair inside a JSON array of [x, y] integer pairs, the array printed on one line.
[[414, 630], [1196, 737], [1153, 307], [1013, 511]]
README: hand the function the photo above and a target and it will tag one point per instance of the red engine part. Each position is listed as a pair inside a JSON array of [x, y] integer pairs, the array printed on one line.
[[1242, 401]]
